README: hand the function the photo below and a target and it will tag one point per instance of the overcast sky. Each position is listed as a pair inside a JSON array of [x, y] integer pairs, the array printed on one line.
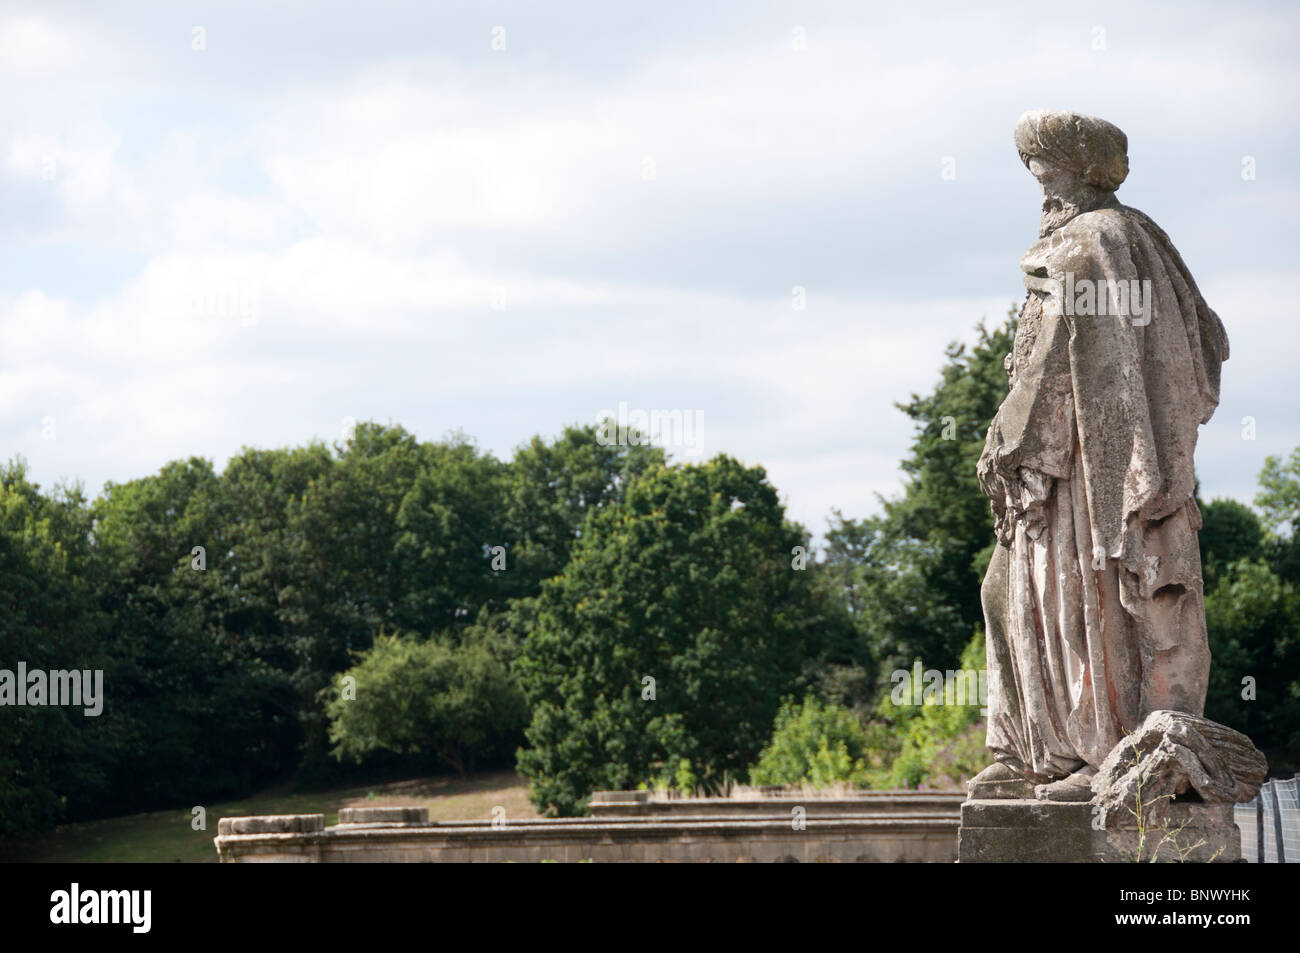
[[231, 224]]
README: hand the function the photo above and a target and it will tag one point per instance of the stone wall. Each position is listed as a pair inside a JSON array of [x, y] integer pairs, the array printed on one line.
[[626, 827]]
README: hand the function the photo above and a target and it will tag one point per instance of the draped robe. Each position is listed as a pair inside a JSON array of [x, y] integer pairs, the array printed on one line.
[[1093, 606]]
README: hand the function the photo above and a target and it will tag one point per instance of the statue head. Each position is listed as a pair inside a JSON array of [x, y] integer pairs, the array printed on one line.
[[1078, 160]]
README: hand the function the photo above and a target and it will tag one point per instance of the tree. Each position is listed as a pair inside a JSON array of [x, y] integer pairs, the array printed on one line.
[[48, 754], [1254, 686], [1230, 532], [673, 633], [1279, 502], [413, 697], [187, 701], [356, 556], [452, 547], [550, 489], [911, 576], [1252, 610]]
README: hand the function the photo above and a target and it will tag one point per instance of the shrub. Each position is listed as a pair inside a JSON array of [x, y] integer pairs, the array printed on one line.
[[814, 743]]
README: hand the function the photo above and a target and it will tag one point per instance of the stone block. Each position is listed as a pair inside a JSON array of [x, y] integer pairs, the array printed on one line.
[[384, 815], [1035, 831], [272, 824]]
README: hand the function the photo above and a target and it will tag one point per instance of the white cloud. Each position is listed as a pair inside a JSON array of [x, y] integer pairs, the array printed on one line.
[[31, 47], [457, 239]]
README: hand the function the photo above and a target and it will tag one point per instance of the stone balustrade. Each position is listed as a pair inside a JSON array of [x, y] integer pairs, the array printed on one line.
[[625, 827]]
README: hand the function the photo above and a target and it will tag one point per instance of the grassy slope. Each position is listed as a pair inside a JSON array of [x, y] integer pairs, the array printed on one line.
[[166, 836]]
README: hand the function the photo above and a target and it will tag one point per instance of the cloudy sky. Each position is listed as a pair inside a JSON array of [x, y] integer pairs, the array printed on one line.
[[231, 224]]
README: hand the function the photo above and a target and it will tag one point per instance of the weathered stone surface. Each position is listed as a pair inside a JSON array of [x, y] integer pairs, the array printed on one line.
[[999, 781], [1093, 604], [1076, 787], [272, 824], [1034, 831], [866, 803], [1093, 600], [1024, 831], [605, 803], [1012, 790], [620, 797], [868, 829], [384, 815], [1174, 755]]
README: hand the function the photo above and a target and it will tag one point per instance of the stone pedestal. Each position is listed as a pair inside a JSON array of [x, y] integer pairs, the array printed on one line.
[[1032, 831]]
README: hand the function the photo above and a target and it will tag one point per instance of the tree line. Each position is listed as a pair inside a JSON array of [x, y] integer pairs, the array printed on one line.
[[594, 613]]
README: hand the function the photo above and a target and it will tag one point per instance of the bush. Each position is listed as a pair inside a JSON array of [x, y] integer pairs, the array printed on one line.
[[456, 701], [932, 744], [814, 743]]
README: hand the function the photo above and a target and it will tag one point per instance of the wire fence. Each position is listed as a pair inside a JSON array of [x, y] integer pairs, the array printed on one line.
[[1270, 824]]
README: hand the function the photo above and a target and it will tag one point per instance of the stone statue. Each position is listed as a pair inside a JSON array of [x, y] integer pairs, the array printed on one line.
[[1093, 599]]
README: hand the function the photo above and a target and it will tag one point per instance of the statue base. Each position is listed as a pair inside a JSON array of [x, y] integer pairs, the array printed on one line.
[[1018, 831]]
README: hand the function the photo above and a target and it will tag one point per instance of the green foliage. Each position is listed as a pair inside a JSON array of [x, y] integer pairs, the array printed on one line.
[[219, 675], [1253, 618], [911, 576], [687, 581], [48, 620], [1252, 610], [550, 488], [683, 778], [435, 696], [918, 736], [929, 739], [1279, 495], [196, 711], [816, 744], [618, 567], [1230, 532], [1279, 501]]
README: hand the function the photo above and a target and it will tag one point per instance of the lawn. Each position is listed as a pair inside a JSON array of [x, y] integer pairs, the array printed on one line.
[[167, 836]]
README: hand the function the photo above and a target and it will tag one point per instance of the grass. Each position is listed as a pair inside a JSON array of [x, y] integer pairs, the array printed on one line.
[[167, 837]]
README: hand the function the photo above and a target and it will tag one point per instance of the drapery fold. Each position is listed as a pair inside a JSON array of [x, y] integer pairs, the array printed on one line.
[[1093, 601]]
